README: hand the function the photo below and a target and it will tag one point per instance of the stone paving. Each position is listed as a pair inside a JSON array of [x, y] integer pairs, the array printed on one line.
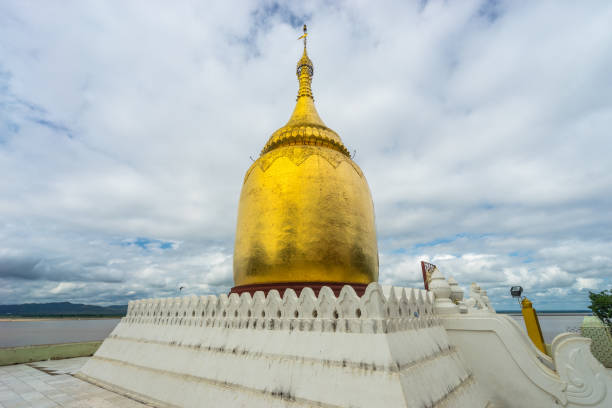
[[49, 384]]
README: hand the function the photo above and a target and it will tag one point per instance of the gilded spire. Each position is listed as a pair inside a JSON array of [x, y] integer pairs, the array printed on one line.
[[305, 127], [305, 71]]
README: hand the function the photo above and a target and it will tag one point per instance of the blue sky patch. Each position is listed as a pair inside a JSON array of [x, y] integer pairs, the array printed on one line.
[[54, 126], [448, 240], [490, 10], [147, 243]]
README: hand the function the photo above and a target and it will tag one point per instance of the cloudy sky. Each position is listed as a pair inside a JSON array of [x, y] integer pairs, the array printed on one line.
[[483, 127]]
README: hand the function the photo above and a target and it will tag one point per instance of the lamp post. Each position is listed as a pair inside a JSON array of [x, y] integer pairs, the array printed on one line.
[[530, 317]]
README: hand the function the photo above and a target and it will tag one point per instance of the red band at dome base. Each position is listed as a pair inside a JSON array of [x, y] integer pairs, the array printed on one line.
[[336, 287]]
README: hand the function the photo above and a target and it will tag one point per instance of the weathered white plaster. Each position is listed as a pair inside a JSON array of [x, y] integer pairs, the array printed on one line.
[[270, 351]]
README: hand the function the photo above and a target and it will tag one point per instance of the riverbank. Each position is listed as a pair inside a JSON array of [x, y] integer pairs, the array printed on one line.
[[47, 318], [28, 354]]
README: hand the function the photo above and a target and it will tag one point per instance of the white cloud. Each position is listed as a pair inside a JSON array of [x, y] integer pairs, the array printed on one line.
[[588, 283], [64, 287], [125, 131]]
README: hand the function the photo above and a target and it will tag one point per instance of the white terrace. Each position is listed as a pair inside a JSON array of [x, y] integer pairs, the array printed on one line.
[[395, 347]]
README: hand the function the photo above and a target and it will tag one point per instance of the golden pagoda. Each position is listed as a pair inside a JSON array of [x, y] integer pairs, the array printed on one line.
[[305, 216]]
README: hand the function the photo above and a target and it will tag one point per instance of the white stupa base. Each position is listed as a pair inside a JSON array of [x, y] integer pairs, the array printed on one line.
[[445, 306], [254, 352]]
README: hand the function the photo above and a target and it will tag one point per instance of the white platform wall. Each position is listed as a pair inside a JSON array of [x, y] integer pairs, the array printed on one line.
[[392, 347], [271, 351]]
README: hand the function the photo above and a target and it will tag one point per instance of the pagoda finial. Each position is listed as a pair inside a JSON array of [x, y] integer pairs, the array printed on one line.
[[305, 75], [304, 36]]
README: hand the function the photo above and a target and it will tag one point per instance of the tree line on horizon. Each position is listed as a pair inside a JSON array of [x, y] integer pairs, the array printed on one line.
[[61, 309]]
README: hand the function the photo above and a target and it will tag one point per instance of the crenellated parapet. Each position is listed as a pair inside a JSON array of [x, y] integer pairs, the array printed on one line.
[[377, 311], [385, 348]]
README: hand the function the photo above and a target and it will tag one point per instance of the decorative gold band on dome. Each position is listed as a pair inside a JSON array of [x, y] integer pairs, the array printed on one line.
[[305, 127], [309, 135]]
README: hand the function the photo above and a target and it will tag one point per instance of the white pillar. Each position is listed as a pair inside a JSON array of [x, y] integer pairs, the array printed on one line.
[[456, 290], [442, 291]]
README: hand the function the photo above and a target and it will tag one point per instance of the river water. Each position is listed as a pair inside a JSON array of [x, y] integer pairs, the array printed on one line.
[[25, 333], [552, 325]]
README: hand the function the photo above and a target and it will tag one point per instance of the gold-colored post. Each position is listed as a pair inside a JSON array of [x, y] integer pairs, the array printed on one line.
[[532, 324]]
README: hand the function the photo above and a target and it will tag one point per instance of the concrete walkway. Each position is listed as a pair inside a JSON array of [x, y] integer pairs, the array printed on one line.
[[49, 384]]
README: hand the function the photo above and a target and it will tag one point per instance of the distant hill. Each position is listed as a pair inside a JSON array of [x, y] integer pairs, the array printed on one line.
[[61, 309]]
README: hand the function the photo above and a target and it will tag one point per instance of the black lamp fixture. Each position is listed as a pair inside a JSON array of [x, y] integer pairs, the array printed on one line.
[[516, 291]]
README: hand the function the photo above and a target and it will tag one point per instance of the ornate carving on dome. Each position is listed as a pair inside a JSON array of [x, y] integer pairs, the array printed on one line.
[[298, 155], [372, 313]]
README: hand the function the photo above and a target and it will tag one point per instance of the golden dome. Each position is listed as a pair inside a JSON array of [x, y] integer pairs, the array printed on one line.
[[305, 216]]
